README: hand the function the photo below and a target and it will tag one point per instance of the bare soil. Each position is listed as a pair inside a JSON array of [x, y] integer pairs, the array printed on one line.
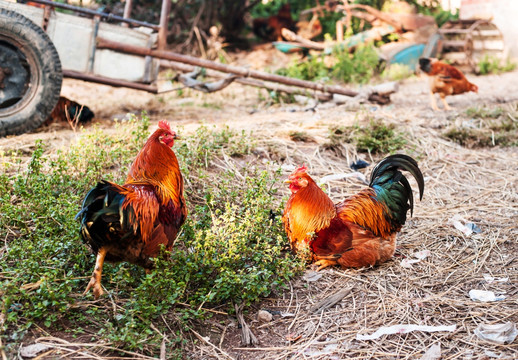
[[477, 185]]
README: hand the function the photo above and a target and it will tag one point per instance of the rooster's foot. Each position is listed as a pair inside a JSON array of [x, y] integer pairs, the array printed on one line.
[[321, 264], [96, 286]]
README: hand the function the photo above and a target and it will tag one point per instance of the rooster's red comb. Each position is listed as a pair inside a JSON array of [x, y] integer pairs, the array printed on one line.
[[302, 169], [164, 125]]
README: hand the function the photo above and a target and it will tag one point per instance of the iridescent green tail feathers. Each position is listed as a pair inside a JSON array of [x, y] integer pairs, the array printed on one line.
[[392, 187]]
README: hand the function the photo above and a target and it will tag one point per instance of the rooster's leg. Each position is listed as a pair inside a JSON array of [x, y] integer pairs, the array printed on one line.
[[433, 101], [321, 264], [95, 281], [446, 106]]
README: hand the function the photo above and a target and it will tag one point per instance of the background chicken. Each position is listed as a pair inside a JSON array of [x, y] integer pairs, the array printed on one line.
[[67, 110], [270, 28], [445, 79], [130, 222], [361, 230]]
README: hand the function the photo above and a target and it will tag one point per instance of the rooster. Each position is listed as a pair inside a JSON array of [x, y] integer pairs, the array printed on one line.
[[130, 222], [270, 28], [361, 230], [67, 110], [445, 79]]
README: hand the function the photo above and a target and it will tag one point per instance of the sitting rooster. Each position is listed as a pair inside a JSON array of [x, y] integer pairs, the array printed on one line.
[[361, 230]]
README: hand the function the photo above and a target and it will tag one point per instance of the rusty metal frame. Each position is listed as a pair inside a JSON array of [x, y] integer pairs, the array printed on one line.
[[126, 20], [92, 13]]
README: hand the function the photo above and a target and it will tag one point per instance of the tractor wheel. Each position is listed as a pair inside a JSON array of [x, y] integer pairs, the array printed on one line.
[[30, 74]]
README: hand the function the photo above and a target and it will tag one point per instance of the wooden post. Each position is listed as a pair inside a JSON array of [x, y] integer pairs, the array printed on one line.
[[164, 22], [127, 11], [339, 31]]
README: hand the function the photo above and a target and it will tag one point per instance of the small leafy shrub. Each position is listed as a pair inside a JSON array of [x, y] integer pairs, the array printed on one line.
[[490, 64], [486, 128], [396, 72], [231, 249], [483, 112], [301, 136], [340, 65], [280, 97], [313, 68], [358, 67], [375, 137]]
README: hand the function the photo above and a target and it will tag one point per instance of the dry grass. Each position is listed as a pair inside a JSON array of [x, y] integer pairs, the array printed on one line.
[[478, 186], [321, 319]]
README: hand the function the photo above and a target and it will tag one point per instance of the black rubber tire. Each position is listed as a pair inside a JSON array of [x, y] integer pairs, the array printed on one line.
[[40, 86]]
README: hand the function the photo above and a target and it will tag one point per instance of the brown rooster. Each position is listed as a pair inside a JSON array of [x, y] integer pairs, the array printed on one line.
[[129, 222], [361, 230], [445, 79], [270, 28]]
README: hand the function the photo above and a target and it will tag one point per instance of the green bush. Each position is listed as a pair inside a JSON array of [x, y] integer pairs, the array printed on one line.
[[490, 64], [375, 137], [231, 248], [395, 72], [312, 68], [358, 67]]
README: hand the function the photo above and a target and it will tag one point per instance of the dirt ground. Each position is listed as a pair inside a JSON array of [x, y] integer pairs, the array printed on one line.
[[475, 185]]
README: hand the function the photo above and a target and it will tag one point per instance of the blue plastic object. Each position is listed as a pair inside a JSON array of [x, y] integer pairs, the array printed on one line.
[[408, 56], [287, 47]]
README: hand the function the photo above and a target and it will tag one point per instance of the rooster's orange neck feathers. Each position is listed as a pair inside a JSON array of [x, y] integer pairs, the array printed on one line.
[[311, 209], [156, 163]]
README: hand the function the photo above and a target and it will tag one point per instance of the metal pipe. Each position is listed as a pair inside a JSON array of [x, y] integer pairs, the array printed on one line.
[[250, 82], [243, 72], [164, 23], [96, 20], [127, 10], [107, 81], [90, 12]]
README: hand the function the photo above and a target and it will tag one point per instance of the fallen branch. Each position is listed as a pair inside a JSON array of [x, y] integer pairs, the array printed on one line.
[[330, 301], [291, 36], [247, 337]]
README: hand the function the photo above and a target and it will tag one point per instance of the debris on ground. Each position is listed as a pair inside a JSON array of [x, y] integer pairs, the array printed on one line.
[[264, 316], [419, 255], [498, 333], [485, 296], [404, 329], [433, 353]]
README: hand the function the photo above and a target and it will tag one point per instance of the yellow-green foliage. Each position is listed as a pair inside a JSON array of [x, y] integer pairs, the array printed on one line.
[[229, 251]]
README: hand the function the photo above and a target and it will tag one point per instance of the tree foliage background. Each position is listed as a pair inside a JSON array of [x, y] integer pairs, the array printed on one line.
[[234, 18]]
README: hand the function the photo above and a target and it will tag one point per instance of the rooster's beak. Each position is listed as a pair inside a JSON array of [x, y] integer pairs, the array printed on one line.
[[287, 181], [177, 137]]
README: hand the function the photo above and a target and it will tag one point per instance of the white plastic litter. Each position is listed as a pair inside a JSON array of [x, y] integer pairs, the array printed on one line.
[[467, 228], [485, 296], [459, 225], [404, 329], [33, 350], [497, 333], [489, 279], [433, 353], [419, 255]]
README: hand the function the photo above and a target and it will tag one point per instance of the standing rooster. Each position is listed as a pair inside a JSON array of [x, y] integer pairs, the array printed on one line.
[[361, 230], [130, 222], [445, 80]]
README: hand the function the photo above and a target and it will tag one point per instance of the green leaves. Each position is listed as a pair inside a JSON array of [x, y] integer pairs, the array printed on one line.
[[231, 248]]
